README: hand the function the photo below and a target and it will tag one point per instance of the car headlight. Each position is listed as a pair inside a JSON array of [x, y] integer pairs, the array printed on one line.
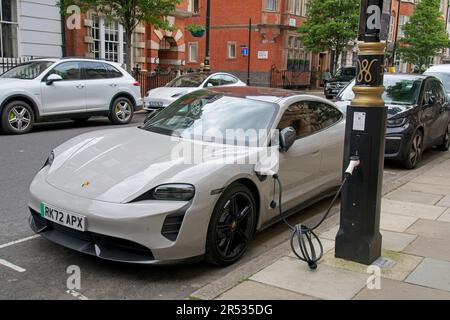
[[49, 160], [399, 122], [169, 192]]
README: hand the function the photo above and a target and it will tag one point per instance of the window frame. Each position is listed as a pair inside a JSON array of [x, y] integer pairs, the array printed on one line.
[[80, 67], [192, 44], [229, 45], [13, 23], [299, 137], [273, 7]]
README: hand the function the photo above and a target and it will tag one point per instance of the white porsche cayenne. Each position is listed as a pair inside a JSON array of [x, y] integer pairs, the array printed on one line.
[[53, 89], [159, 98], [167, 191]]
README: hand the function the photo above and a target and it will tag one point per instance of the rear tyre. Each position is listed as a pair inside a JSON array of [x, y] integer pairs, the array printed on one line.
[[122, 111], [445, 145], [415, 150], [232, 225], [17, 118]]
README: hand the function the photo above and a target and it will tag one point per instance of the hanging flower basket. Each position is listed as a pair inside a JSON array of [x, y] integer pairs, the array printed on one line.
[[196, 31]]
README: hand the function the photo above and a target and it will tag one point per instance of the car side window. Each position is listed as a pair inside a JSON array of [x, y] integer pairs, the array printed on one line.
[[95, 70], [228, 80], [309, 117], [438, 92], [326, 115], [68, 71], [112, 72], [214, 81]]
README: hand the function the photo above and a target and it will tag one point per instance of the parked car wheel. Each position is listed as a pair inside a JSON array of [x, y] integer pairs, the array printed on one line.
[[232, 225], [17, 118], [446, 142], [415, 150], [81, 120], [122, 111]]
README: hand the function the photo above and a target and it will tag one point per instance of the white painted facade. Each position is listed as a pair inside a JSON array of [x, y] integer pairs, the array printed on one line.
[[37, 25]]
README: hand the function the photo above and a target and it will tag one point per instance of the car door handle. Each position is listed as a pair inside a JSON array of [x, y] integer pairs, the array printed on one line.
[[80, 86], [113, 85]]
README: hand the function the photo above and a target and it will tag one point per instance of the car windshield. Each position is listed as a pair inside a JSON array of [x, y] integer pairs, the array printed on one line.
[[400, 91], [27, 71], [345, 72], [188, 81], [215, 117], [444, 77]]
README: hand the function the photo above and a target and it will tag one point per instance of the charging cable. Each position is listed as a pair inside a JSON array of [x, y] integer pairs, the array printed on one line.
[[306, 235]]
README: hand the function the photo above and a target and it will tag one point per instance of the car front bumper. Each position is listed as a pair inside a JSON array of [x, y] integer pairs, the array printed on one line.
[[151, 104], [397, 142], [141, 232]]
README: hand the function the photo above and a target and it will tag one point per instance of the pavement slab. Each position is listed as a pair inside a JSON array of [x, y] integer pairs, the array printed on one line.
[[395, 222], [414, 197], [402, 264], [411, 209], [431, 229], [330, 234], [326, 282], [397, 290], [438, 181], [432, 273], [251, 290], [396, 241], [430, 248], [445, 217], [445, 202], [426, 188]]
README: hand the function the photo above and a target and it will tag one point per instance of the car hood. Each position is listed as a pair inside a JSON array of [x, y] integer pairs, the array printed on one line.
[[12, 83], [394, 110], [169, 92], [119, 165]]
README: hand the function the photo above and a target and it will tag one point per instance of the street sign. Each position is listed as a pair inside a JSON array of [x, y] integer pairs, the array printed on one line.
[[263, 55], [244, 52]]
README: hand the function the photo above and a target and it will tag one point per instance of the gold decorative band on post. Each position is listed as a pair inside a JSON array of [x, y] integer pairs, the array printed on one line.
[[371, 48], [368, 97]]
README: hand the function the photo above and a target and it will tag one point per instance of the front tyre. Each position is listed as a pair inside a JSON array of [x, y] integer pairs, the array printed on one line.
[[445, 145], [415, 150], [232, 225], [122, 111], [17, 118]]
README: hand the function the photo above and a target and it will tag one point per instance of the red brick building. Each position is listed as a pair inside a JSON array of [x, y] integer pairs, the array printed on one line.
[[275, 46]]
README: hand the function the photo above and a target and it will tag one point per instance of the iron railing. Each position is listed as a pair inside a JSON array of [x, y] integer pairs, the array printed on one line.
[[9, 63], [152, 80], [290, 79]]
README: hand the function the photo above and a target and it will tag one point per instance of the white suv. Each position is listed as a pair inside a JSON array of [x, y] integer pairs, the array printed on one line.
[[51, 89]]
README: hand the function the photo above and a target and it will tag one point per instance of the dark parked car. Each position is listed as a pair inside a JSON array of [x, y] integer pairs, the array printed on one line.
[[338, 82], [418, 116]]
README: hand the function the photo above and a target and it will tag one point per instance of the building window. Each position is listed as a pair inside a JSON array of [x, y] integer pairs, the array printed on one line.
[[193, 51], [194, 6], [391, 28], [402, 21], [8, 28], [304, 8], [271, 5], [295, 7], [344, 58], [232, 50], [298, 59], [108, 40]]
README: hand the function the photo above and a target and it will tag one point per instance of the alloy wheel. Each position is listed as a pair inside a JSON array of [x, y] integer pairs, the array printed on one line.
[[123, 111], [19, 118], [416, 149], [235, 225]]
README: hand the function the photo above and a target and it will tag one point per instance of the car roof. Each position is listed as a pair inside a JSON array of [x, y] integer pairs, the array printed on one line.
[[273, 95], [406, 76], [439, 67]]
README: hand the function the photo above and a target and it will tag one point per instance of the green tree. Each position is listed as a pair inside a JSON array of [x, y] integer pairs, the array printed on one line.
[[425, 35], [129, 13], [331, 24]]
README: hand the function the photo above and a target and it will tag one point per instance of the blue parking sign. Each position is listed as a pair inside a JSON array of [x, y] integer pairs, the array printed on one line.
[[244, 52]]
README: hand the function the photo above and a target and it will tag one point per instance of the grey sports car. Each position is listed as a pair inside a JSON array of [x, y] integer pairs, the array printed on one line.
[[187, 184]]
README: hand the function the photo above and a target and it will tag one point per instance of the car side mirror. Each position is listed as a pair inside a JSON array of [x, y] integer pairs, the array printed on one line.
[[52, 78], [287, 138]]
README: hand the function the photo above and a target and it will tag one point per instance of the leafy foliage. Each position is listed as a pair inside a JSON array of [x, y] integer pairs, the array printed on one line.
[[331, 25], [425, 35]]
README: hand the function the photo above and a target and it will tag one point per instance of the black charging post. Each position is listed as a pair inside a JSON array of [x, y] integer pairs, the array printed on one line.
[[359, 237]]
